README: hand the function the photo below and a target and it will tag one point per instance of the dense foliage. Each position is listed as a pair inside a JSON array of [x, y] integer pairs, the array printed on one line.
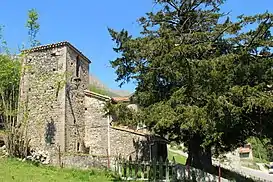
[[201, 78], [9, 84], [13, 114], [262, 149]]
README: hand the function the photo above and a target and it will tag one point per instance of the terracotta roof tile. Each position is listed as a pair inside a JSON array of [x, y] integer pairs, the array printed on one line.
[[121, 99], [244, 150]]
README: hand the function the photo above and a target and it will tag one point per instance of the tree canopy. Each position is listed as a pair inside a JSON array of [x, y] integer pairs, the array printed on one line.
[[202, 79], [33, 27]]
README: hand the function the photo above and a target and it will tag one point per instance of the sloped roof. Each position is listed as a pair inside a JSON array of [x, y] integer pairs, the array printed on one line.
[[105, 97], [56, 45], [244, 150], [96, 95], [121, 99], [140, 132]]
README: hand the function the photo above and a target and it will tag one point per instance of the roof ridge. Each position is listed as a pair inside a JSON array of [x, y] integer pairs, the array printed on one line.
[[91, 93], [54, 45]]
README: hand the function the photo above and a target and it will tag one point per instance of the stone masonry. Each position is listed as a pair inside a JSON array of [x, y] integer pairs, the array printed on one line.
[[62, 115], [52, 96], [101, 136]]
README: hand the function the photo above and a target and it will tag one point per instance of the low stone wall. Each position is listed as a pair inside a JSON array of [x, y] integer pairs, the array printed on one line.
[[81, 161], [84, 162]]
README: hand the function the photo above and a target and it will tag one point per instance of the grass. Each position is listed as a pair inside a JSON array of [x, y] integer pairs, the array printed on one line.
[[178, 158], [258, 160], [250, 164], [12, 170]]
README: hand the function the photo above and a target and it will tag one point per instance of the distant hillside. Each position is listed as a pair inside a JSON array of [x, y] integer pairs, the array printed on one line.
[[96, 85]]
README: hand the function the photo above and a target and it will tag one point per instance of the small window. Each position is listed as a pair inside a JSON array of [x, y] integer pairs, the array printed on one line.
[[77, 67], [78, 147]]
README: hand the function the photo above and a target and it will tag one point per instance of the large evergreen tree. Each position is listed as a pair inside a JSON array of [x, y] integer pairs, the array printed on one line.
[[201, 78]]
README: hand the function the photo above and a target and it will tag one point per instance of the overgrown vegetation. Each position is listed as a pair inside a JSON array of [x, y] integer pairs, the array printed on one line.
[[262, 149], [14, 114], [202, 79]]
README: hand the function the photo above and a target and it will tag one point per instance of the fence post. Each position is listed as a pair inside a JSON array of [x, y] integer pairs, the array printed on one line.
[[108, 159], [136, 167], [130, 167], [173, 170], [189, 171], [167, 171], [143, 168], [148, 167], [219, 173], [119, 165], [116, 165], [154, 164], [185, 173], [124, 168], [160, 168]]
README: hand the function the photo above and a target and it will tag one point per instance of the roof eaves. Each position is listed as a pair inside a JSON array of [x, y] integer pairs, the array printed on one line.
[[96, 95], [55, 45], [139, 133]]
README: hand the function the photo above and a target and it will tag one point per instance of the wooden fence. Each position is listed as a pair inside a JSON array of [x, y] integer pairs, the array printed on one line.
[[160, 171]]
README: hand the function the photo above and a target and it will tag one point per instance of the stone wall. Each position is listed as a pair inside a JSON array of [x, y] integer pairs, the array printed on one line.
[[52, 98], [42, 97], [62, 119], [127, 144], [76, 84], [95, 126], [121, 141]]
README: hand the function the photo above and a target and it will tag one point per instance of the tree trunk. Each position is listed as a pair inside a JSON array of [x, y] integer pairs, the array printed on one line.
[[199, 157]]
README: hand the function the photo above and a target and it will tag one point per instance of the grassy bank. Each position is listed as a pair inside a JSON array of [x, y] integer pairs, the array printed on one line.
[[16, 171], [178, 158]]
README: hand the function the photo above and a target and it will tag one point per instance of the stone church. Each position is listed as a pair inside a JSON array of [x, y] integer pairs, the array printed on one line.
[[64, 117]]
